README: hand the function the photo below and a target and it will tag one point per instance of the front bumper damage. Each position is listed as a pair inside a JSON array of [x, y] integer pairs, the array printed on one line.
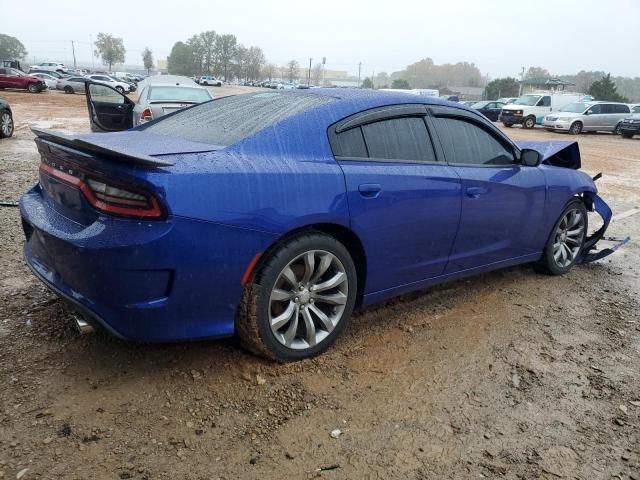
[[589, 252]]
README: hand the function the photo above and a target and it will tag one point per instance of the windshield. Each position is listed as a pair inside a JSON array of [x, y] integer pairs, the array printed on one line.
[[479, 104], [529, 100], [230, 119], [636, 109], [179, 94], [575, 107]]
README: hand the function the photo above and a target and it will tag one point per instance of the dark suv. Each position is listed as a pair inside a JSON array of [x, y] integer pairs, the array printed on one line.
[[12, 78]]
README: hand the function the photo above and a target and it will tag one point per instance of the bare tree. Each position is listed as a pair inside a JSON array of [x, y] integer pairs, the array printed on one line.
[[292, 69], [147, 59], [110, 49], [316, 74]]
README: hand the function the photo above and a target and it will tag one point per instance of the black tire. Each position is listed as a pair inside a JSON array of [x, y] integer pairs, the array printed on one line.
[[120, 89], [627, 135], [253, 319], [529, 122], [33, 88], [616, 131], [68, 89], [10, 125], [548, 263], [575, 128], [508, 125]]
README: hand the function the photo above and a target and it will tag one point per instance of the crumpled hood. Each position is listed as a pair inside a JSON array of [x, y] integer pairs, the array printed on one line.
[[564, 154]]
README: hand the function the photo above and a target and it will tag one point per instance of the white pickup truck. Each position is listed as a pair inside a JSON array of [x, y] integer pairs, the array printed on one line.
[[530, 109]]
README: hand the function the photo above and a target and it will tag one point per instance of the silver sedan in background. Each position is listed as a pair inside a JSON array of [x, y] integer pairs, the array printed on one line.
[[159, 99]]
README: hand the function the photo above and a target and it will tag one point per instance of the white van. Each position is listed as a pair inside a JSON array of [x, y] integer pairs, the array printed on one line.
[[530, 109]]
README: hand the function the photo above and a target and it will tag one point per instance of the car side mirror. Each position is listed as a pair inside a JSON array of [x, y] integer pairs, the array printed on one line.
[[588, 112], [530, 157]]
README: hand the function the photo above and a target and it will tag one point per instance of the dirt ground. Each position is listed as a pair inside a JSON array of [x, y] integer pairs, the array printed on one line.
[[511, 374]]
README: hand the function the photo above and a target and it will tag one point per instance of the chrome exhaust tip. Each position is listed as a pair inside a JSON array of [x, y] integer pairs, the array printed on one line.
[[82, 325]]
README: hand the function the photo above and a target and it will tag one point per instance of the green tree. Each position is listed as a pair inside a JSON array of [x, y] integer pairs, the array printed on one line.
[[181, 61], [605, 89], [207, 43], [226, 47], [11, 48], [501, 87], [367, 83], [147, 59], [401, 84], [110, 49]]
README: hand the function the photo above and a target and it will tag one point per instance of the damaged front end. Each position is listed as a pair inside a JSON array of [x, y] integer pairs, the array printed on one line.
[[595, 203]]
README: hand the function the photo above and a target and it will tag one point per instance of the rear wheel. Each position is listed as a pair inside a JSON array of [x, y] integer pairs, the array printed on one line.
[[68, 89], [576, 128], [529, 122], [616, 131], [120, 89], [33, 88], [301, 299], [6, 124], [567, 239]]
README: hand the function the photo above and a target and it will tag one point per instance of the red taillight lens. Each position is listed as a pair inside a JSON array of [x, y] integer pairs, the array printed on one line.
[[108, 198], [146, 115]]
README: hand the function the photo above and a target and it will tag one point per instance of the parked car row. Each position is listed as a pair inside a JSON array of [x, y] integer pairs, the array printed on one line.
[[14, 78]]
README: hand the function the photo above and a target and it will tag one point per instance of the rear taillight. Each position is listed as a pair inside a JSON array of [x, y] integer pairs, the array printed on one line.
[[104, 195], [146, 115]]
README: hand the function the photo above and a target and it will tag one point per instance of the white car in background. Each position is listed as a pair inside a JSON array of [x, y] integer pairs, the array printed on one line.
[[51, 67], [50, 80], [121, 87]]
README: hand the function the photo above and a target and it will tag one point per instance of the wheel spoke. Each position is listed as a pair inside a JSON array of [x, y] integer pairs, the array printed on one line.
[[281, 295], [290, 334], [338, 298], [325, 263], [576, 219], [573, 241], [326, 322], [333, 282], [310, 327], [290, 276], [575, 232], [282, 319], [309, 266]]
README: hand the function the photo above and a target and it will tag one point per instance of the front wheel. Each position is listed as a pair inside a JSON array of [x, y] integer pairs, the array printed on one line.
[[68, 89], [6, 124], [576, 128], [33, 88], [508, 125], [566, 240], [120, 89], [301, 299], [529, 123]]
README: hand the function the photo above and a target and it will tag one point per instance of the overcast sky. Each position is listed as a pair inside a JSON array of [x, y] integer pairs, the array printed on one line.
[[500, 37]]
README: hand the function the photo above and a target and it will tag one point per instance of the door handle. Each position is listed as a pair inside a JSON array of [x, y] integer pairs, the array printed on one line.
[[370, 190], [475, 192]]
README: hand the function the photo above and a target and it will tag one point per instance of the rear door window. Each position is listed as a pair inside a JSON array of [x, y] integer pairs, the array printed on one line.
[[399, 139], [622, 109], [350, 143], [607, 108]]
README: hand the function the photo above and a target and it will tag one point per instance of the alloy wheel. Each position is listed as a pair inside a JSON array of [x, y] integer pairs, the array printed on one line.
[[308, 299], [569, 237], [6, 124]]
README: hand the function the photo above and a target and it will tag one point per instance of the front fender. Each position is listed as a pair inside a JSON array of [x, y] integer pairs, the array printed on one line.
[[596, 204]]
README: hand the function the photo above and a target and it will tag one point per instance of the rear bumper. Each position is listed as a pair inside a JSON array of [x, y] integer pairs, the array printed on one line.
[[557, 125], [151, 281]]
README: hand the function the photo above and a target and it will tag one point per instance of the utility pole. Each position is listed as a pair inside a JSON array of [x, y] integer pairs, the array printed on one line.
[[521, 80], [309, 73], [73, 50], [93, 63], [359, 71], [324, 61]]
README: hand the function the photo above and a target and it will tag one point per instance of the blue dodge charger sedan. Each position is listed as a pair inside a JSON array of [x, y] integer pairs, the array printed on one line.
[[273, 215]]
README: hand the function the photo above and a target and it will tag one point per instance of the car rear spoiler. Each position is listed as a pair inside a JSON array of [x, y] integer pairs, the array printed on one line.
[[95, 147]]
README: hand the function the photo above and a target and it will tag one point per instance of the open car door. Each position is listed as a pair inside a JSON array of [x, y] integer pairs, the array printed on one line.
[[109, 110]]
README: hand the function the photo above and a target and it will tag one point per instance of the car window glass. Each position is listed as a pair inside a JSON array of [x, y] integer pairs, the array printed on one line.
[[399, 139], [104, 94], [545, 101], [636, 109], [350, 143], [622, 109], [3, 71], [468, 144], [607, 108], [595, 109]]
